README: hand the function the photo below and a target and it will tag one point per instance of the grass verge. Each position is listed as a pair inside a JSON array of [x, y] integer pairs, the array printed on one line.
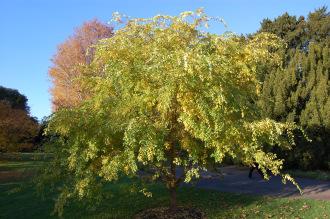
[[18, 199], [314, 174], [19, 165]]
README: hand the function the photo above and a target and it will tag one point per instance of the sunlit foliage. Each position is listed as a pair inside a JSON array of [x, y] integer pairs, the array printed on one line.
[[70, 56], [165, 94]]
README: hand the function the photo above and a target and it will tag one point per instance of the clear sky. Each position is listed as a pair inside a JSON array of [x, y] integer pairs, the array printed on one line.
[[32, 29]]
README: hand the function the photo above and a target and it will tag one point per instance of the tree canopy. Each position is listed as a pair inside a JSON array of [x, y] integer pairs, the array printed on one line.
[[299, 32], [165, 94], [17, 129], [299, 90], [15, 99], [70, 56]]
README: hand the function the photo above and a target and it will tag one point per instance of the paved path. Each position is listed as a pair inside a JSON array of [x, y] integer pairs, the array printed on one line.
[[235, 179]]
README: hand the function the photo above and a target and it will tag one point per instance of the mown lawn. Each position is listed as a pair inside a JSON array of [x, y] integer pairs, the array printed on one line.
[[19, 165], [18, 199], [24, 156], [311, 174]]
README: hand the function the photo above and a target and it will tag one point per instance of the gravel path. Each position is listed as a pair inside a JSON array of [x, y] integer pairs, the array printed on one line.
[[235, 180]]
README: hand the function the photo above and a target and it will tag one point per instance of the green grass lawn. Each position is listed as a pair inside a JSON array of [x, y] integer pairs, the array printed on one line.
[[25, 156], [19, 165], [18, 199], [312, 174]]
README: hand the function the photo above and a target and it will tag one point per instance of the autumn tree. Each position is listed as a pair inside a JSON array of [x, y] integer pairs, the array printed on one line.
[[17, 129], [167, 95], [70, 56]]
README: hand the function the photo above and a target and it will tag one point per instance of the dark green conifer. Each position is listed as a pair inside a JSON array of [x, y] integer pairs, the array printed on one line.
[[299, 91]]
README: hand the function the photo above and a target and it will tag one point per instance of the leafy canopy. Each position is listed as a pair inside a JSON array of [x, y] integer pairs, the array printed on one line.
[[17, 129], [14, 98], [70, 55], [167, 94]]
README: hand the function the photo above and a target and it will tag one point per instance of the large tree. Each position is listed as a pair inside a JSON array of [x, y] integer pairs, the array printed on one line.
[[167, 95], [70, 56], [299, 91]]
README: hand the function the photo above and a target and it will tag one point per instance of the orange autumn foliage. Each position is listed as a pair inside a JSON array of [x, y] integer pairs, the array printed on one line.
[[17, 129], [70, 56]]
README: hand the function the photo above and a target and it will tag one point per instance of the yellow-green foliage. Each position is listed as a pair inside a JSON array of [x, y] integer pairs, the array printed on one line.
[[170, 94]]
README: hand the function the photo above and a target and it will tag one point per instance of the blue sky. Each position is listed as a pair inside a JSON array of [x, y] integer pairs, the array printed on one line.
[[32, 29]]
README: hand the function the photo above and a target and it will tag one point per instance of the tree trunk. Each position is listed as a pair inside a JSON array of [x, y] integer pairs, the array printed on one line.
[[173, 202], [172, 181], [172, 184]]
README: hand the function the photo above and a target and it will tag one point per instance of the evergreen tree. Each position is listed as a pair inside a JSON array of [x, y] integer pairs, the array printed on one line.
[[299, 91]]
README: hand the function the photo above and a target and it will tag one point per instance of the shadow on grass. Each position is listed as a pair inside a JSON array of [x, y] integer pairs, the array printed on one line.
[[19, 200]]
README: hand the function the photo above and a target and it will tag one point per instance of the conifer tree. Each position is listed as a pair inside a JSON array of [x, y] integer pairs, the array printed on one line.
[[299, 91]]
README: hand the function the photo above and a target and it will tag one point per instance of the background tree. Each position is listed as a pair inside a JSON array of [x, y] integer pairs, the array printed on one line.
[[167, 96], [41, 139], [299, 91], [299, 32], [70, 56], [17, 129], [15, 99]]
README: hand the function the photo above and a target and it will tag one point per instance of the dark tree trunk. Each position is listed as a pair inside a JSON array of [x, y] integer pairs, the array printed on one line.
[[173, 202], [173, 183]]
